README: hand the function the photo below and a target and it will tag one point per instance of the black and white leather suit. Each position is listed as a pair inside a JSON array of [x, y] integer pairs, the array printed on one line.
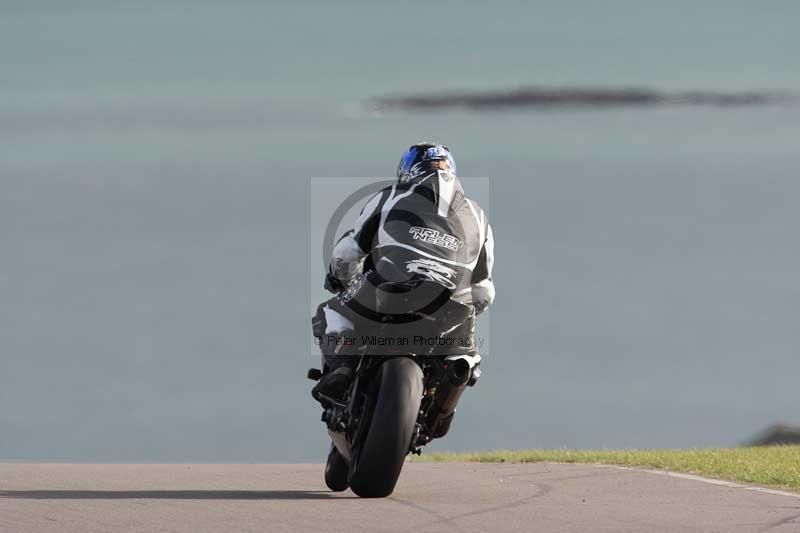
[[424, 235]]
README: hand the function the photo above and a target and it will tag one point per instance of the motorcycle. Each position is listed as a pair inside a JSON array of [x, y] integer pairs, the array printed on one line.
[[396, 404]]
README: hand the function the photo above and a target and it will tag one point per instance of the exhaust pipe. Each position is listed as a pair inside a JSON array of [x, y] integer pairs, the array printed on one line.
[[456, 377]]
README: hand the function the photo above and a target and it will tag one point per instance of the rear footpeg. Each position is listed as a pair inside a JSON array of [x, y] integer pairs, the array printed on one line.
[[418, 440]]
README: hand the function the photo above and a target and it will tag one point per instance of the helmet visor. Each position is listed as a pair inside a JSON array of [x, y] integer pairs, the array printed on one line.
[[433, 165]]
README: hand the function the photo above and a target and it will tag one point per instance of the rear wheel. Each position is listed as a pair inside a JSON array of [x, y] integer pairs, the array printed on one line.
[[336, 470], [380, 457]]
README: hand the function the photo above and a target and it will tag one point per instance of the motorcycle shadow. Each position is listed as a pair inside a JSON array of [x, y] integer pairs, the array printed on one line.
[[170, 495]]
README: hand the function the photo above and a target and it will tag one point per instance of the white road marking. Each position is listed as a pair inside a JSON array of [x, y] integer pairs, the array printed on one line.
[[711, 481]]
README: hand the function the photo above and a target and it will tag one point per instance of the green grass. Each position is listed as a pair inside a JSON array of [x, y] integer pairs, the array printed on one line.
[[774, 466]]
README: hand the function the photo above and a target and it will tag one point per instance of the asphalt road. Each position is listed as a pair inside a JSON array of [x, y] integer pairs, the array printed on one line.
[[429, 497]]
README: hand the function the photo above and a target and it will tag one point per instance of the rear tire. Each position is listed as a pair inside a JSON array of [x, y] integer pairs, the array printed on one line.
[[336, 470], [380, 458]]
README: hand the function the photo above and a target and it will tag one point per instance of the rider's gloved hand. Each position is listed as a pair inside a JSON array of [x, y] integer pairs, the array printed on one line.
[[333, 284]]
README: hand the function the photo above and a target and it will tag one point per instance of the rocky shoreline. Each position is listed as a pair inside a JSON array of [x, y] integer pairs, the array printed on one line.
[[580, 98]]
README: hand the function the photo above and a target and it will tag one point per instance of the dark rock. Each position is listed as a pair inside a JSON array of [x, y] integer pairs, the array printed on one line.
[[777, 434]]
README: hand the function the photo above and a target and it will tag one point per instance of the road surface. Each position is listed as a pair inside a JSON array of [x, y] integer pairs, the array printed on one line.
[[429, 497]]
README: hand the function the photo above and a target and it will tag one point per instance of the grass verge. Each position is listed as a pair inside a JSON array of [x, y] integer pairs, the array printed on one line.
[[773, 466]]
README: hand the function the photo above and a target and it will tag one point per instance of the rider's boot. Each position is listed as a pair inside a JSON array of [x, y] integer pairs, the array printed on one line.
[[337, 344], [340, 360], [333, 384]]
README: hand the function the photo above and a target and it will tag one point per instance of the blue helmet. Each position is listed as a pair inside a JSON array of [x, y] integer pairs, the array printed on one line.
[[426, 159]]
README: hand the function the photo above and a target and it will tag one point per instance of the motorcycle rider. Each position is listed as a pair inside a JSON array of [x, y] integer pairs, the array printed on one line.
[[417, 264]]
